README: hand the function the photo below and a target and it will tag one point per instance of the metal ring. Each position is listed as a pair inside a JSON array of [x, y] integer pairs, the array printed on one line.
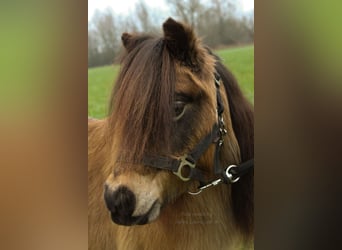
[[230, 176], [184, 162], [195, 193]]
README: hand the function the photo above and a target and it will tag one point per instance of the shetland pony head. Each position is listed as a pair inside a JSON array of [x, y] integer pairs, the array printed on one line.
[[164, 102]]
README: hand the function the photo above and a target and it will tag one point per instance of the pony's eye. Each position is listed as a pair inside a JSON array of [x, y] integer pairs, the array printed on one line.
[[179, 108]]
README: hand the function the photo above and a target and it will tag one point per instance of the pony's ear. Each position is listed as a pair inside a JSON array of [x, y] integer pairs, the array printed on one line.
[[126, 39], [180, 41], [130, 41]]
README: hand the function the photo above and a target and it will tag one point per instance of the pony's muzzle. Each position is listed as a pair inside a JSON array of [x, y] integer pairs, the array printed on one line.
[[121, 201], [122, 205]]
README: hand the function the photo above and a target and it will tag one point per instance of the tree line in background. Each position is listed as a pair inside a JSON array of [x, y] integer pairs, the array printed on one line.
[[219, 22]]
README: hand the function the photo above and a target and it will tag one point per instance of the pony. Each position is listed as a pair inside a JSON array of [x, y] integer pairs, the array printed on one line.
[[170, 95]]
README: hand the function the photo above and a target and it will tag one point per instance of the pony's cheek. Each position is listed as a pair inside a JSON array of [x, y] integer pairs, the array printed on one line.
[[170, 186]]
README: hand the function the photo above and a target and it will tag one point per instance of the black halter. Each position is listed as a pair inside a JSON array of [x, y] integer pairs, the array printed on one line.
[[187, 162]]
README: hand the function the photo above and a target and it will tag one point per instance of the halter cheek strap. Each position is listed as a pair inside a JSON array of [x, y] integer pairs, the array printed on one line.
[[187, 162]]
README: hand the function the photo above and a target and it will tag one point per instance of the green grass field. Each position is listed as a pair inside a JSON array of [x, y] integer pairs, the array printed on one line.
[[100, 80]]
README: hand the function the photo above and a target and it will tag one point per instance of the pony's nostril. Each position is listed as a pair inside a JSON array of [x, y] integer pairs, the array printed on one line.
[[121, 201]]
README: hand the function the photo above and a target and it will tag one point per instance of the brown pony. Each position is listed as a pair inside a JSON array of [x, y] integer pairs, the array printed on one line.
[[163, 104]]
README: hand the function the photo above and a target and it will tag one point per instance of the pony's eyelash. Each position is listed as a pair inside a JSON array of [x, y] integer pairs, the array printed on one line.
[[182, 97]]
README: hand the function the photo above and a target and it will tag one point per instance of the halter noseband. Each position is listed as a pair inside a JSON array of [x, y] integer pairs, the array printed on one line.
[[230, 174]]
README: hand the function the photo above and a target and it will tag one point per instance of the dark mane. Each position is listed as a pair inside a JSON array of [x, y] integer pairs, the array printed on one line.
[[241, 112], [144, 90]]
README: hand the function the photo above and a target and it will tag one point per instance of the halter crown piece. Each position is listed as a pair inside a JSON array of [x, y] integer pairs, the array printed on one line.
[[187, 162]]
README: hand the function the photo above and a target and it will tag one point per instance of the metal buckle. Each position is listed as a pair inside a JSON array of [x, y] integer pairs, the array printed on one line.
[[222, 130], [230, 176], [184, 161], [217, 79], [217, 82]]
